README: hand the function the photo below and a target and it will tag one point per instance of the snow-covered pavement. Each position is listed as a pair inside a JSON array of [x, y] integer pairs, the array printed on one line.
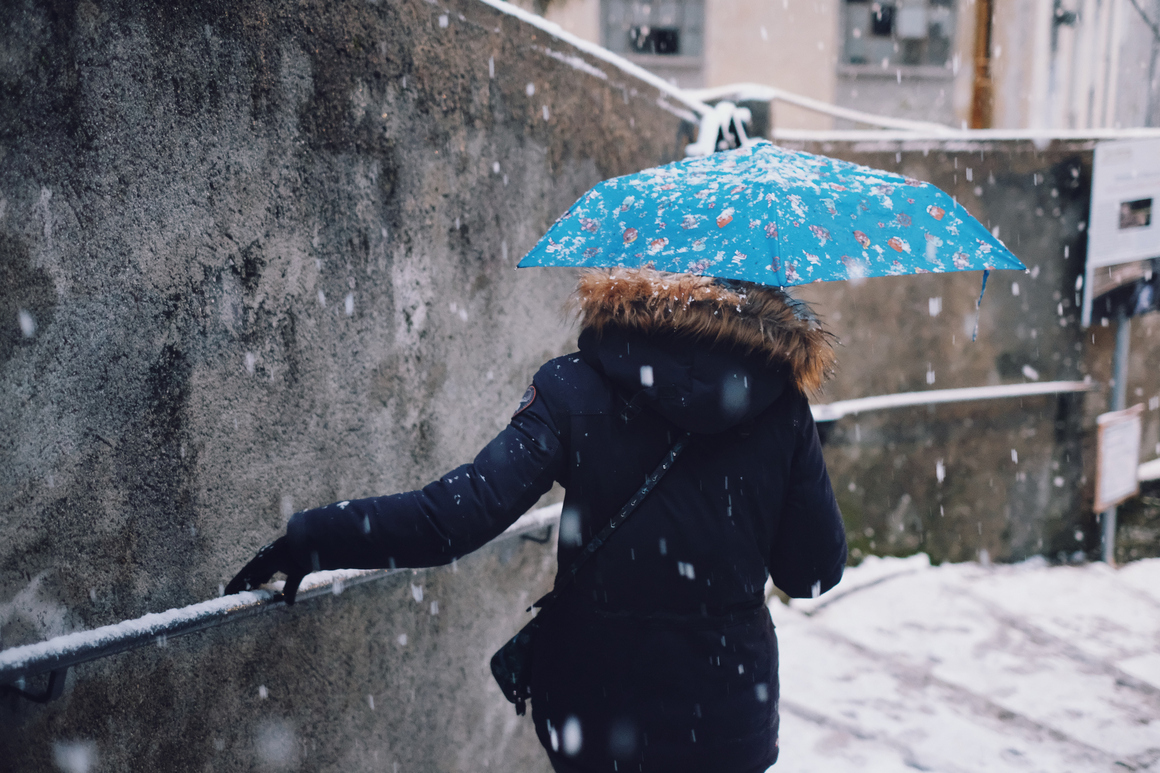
[[964, 667]]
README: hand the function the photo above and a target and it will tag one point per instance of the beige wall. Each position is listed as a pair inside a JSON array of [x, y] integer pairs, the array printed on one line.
[[1020, 51], [790, 45], [1095, 77], [963, 64], [580, 17], [918, 99]]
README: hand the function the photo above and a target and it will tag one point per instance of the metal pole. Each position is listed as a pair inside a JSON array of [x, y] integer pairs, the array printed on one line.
[[983, 88], [1119, 403]]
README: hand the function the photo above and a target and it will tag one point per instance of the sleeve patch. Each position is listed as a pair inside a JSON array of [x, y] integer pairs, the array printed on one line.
[[526, 401]]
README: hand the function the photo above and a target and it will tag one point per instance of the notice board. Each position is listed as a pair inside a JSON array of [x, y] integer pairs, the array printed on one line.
[[1117, 456], [1124, 224]]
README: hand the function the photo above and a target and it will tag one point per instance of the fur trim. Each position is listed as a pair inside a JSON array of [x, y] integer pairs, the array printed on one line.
[[747, 316]]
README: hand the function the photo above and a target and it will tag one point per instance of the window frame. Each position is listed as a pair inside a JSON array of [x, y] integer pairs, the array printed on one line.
[[896, 69]]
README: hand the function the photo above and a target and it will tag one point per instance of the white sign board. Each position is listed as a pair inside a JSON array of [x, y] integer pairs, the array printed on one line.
[[1117, 456], [1124, 224]]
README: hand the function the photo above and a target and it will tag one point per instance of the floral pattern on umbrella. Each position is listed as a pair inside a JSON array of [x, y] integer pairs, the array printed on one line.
[[773, 216]]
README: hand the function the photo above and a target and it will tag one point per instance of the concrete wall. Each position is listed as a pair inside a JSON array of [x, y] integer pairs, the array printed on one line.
[[256, 257], [884, 465]]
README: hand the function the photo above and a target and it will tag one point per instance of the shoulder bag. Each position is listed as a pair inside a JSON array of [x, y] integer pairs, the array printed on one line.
[[511, 664]]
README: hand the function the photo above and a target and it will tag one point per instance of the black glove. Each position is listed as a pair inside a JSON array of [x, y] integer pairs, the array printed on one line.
[[275, 557]]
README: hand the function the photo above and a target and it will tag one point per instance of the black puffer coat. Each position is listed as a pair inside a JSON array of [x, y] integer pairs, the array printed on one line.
[[661, 656]]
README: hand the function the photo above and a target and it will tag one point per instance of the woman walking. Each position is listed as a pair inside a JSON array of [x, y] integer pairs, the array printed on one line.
[[659, 654]]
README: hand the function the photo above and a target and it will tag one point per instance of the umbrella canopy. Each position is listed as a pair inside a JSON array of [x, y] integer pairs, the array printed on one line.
[[773, 216]]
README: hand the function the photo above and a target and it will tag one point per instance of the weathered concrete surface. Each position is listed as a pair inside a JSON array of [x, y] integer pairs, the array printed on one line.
[[256, 257], [884, 465]]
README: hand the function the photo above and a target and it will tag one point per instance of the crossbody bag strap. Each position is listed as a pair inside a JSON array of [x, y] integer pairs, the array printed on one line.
[[617, 520]]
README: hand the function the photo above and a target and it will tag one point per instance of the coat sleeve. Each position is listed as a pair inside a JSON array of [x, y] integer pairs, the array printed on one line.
[[809, 549], [446, 519]]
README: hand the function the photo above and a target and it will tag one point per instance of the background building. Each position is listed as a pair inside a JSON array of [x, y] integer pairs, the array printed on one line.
[[1011, 64], [789, 44]]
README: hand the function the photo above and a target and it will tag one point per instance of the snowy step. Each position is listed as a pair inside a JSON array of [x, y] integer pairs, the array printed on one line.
[[965, 667]]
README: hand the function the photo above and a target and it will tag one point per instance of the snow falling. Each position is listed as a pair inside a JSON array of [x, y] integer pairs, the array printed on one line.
[[27, 323], [963, 641], [974, 663], [276, 744], [573, 739], [75, 756]]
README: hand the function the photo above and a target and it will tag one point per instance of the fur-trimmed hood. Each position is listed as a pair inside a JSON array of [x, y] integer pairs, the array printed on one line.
[[743, 317]]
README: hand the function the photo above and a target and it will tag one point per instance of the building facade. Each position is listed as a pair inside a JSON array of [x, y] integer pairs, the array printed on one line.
[[789, 44], [1009, 64]]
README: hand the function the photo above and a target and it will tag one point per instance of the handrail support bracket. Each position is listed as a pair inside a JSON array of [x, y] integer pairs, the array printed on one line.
[[53, 690]]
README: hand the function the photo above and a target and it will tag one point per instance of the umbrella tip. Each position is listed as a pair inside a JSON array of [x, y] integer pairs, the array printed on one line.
[[979, 305]]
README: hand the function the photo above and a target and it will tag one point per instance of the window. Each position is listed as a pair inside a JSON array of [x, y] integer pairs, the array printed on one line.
[[1136, 214], [655, 40], [669, 28], [882, 20], [906, 33]]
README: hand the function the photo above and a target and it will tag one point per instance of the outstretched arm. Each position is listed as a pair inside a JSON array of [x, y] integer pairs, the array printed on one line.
[[446, 519]]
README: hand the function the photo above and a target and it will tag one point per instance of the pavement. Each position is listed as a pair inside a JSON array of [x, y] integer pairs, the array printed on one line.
[[965, 667]]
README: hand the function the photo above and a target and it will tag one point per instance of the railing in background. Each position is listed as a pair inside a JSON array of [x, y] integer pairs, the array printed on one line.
[[835, 411]]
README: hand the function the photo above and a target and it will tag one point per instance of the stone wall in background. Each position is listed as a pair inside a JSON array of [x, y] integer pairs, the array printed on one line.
[[256, 257], [1018, 474]]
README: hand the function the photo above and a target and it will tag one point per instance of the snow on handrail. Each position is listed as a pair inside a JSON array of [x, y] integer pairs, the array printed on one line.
[[82, 646], [740, 92], [835, 411], [536, 519], [71, 649], [943, 136], [1149, 470]]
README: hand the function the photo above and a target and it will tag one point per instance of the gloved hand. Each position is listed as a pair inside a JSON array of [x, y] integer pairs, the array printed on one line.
[[275, 557]]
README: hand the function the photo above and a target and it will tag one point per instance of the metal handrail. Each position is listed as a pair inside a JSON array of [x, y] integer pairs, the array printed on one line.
[[55, 656], [837, 410]]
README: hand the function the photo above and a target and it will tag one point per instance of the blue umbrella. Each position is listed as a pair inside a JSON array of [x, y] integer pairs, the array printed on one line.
[[772, 216]]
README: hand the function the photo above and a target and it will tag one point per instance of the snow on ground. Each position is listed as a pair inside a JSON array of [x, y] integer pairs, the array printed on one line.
[[965, 667]]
